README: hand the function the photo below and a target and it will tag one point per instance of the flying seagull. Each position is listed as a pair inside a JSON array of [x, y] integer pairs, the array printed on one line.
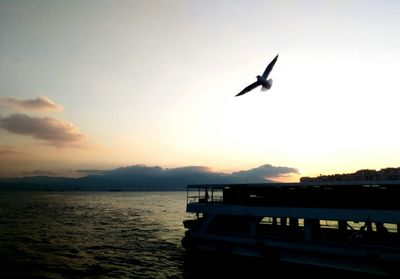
[[261, 80]]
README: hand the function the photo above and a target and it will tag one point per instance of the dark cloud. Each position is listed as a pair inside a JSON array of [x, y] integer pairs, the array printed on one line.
[[260, 174], [53, 131], [263, 172], [87, 172], [143, 177], [41, 103], [189, 169]]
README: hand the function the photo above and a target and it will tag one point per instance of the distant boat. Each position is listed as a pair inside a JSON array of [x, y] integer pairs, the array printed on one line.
[[114, 190]]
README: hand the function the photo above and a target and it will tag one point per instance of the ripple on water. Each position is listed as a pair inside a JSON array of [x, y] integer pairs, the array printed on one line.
[[90, 235]]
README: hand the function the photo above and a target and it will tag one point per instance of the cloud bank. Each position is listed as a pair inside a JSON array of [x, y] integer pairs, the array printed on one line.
[[142, 177], [262, 174], [266, 171], [53, 131], [41, 103]]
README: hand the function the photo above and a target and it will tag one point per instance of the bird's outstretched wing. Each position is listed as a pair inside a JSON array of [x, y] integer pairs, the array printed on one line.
[[248, 88], [269, 67]]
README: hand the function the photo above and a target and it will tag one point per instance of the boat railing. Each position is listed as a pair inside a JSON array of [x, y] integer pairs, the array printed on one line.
[[351, 195], [197, 199], [206, 194]]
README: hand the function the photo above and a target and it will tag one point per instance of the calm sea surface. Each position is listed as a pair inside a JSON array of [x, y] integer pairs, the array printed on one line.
[[91, 234], [105, 235]]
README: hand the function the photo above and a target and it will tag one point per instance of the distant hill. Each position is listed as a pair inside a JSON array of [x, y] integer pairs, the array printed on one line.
[[360, 175], [143, 178]]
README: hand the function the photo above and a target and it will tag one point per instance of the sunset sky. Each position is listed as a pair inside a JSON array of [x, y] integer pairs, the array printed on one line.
[[103, 84]]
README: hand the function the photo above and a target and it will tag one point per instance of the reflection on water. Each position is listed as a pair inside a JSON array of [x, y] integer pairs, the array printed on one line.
[[107, 234]]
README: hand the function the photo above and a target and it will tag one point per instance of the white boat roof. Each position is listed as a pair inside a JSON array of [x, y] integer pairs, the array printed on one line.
[[365, 183]]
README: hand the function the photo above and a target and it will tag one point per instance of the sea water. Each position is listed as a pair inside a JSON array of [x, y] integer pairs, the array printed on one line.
[[92, 234], [109, 235]]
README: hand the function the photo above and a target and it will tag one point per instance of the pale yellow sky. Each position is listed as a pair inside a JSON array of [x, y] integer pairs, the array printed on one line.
[[146, 82]]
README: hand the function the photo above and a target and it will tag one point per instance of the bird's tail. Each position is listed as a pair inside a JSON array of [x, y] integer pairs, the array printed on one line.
[[265, 88]]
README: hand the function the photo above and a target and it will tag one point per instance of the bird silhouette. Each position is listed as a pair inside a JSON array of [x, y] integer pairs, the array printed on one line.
[[261, 80]]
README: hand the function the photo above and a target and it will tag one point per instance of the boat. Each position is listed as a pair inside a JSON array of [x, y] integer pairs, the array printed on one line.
[[349, 226]]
